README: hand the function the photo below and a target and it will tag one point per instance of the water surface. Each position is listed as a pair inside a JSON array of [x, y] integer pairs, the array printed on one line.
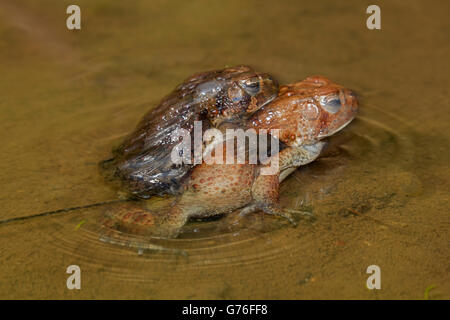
[[380, 192]]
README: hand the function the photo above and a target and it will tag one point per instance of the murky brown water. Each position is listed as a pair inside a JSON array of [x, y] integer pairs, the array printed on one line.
[[380, 193]]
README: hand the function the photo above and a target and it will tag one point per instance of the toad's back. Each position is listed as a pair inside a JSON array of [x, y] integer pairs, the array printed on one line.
[[143, 161]]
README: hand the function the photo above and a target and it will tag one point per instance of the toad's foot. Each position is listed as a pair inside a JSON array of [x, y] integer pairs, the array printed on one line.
[[272, 209], [289, 214], [300, 214]]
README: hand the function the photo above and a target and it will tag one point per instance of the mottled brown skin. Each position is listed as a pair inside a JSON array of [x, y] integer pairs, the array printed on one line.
[[143, 161], [305, 112]]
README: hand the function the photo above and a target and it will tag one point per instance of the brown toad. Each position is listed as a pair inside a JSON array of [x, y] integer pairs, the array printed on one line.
[[143, 161], [304, 112]]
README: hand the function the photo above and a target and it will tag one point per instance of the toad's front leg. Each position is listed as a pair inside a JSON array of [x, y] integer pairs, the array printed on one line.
[[293, 157], [265, 189]]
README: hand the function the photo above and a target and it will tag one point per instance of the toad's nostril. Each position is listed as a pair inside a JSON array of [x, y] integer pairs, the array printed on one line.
[[352, 94], [352, 100]]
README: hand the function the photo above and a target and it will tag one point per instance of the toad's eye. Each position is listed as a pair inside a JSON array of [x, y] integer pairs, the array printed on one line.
[[331, 103], [252, 85]]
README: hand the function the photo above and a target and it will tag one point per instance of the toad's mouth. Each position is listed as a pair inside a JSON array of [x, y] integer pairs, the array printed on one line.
[[322, 136]]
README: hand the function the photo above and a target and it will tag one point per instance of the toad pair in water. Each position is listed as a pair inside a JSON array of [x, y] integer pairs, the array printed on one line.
[[305, 113]]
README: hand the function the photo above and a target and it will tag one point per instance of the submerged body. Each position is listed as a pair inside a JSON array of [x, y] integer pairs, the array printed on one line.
[[305, 113]]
